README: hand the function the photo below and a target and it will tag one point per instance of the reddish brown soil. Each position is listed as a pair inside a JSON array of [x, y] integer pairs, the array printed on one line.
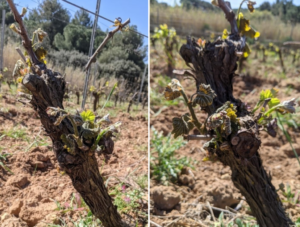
[[28, 196], [211, 181]]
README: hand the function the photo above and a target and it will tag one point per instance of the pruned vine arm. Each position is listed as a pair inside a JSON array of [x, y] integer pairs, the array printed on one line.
[[229, 14], [27, 43], [109, 36]]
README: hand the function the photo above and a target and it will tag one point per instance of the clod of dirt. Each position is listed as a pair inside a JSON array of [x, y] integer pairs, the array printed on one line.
[[187, 180], [14, 222], [286, 149], [33, 212], [164, 197], [271, 142], [20, 180], [221, 195], [15, 208], [52, 218]]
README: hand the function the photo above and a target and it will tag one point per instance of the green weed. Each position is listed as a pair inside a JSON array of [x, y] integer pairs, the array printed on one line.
[[3, 157], [164, 165], [16, 133], [126, 199], [238, 222], [290, 197], [142, 181]]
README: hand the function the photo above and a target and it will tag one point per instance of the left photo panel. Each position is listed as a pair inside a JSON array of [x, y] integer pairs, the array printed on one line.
[[73, 113]]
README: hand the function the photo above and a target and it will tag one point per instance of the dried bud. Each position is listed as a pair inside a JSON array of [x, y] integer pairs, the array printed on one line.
[[287, 106], [40, 34], [173, 89], [250, 5], [215, 2]]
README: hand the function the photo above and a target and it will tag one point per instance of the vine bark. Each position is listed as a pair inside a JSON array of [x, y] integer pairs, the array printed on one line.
[[48, 88], [215, 64]]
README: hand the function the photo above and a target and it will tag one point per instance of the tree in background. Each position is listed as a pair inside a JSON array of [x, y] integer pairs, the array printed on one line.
[[197, 4], [82, 18], [124, 57], [9, 18], [51, 16], [286, 10], [265, 6], [77, 37]]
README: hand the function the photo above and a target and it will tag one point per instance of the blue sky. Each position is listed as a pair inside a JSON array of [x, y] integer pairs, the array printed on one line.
[[234, 3], [136, 10]]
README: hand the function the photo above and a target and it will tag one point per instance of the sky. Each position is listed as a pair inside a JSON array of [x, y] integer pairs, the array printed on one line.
[[234, 3], [136, 10]]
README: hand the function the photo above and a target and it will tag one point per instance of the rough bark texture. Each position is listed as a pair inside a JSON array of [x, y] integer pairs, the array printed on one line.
[[48, 89], [215, 64]]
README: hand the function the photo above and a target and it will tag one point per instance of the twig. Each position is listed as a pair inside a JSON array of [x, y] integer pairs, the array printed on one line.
[[291, 43], [210, 209], [197, 137], [22, 32], [23, 57], [109, 35], [155, 224]]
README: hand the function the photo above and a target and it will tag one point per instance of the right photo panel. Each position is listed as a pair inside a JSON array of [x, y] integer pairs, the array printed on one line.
[[224, 113]]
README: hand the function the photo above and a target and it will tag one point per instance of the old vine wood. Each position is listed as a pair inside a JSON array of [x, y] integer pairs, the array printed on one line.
[[215, 65], [47, 88]]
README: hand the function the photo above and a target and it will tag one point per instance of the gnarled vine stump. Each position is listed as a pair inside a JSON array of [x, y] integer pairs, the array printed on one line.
[[215, 64], [48, 88]]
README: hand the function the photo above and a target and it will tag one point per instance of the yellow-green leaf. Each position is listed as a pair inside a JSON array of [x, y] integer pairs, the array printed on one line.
[[87, 115], [247, 51], [225, 34]]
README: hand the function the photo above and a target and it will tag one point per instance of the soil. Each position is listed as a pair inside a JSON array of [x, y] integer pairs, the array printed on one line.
[[210, 182], [32, 195]]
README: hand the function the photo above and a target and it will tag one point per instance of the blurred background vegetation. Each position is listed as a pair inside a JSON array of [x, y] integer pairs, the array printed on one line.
[[279, 21]]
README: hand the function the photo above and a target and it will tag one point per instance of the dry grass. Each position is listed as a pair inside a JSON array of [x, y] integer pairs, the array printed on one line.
[[75, 76], [198, 23]]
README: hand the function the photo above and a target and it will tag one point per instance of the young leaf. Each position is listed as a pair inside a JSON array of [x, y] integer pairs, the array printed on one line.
[[273, 102], [41, 54], [247, 51], [244, 27], [225, 34], [205, 95], [87, 115]]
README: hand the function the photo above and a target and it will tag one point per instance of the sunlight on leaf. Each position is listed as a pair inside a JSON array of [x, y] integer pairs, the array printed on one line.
[[225, 34], [87, 115]]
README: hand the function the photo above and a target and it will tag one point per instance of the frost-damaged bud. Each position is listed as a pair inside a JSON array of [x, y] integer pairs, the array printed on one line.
[[250, 5], [215, 2], [40, 34], [287, 106], [104, 119], [173, 89], [205, 96], [52, 111]]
